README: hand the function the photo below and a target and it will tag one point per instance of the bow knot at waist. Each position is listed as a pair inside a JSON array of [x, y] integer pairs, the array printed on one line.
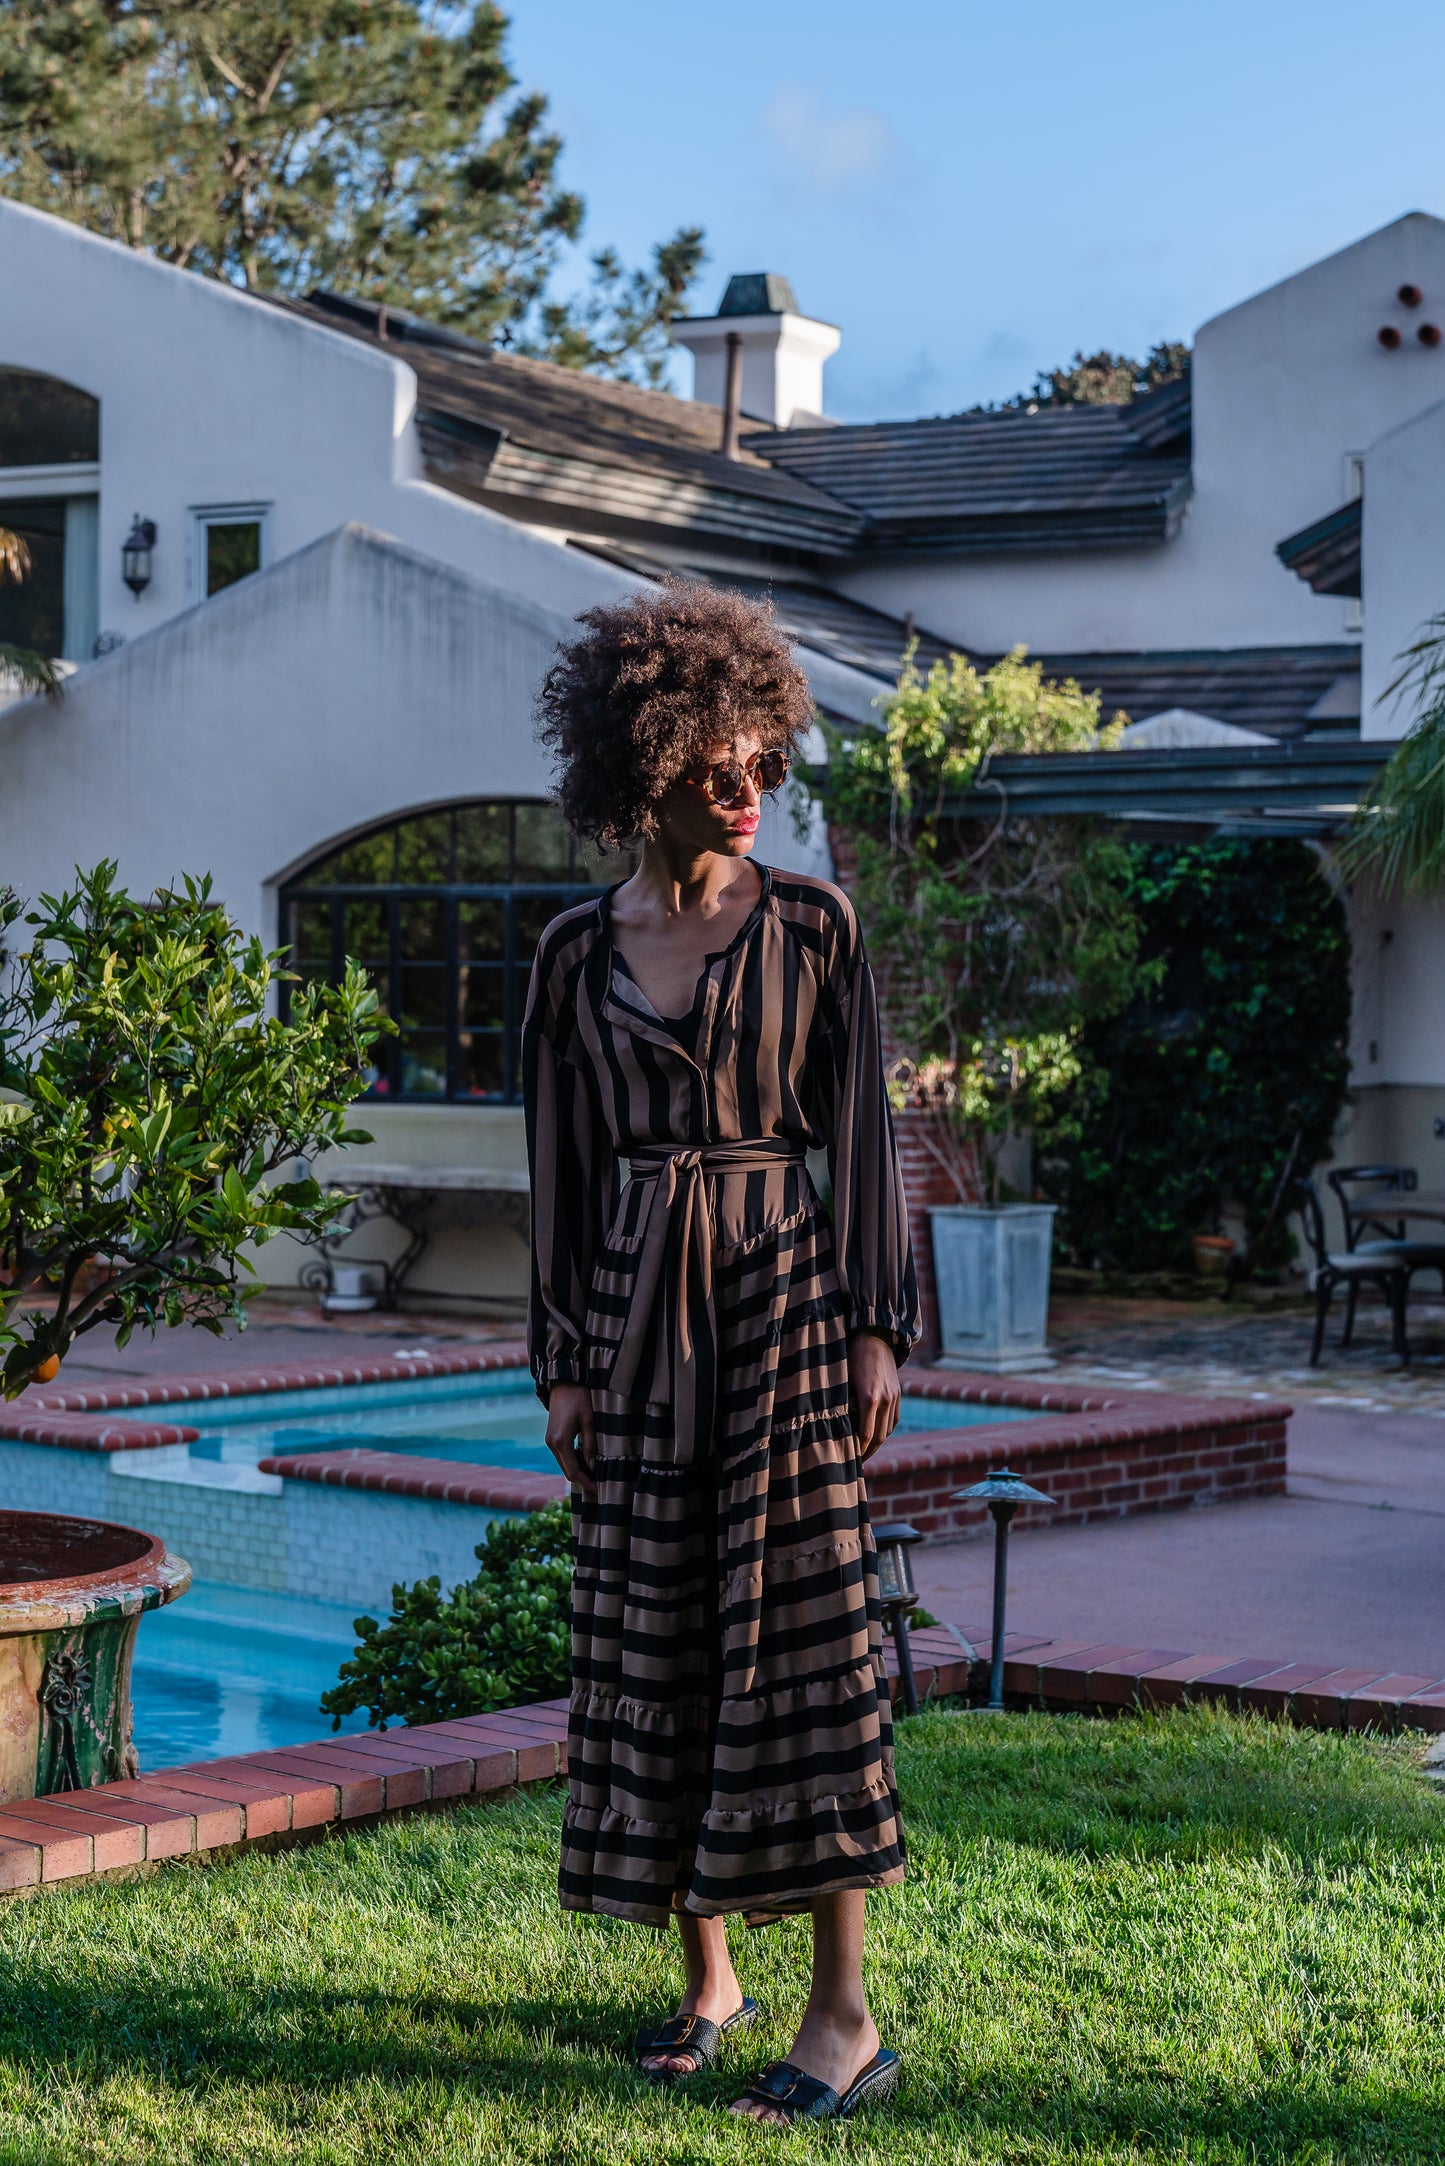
[[734, 1154], [671, 1311]]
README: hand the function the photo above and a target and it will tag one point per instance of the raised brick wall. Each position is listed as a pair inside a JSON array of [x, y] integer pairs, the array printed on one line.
[[1099, 1454], [1093, 1465], [926, 1182]]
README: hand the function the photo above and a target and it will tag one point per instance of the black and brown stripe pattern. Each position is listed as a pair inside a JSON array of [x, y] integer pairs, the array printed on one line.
[[730, 1742]]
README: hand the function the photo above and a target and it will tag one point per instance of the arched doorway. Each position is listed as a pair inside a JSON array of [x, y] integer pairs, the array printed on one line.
[[49, 462], [444, 909]]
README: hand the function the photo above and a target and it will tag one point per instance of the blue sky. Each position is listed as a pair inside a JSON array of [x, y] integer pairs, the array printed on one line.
[[973, 192]]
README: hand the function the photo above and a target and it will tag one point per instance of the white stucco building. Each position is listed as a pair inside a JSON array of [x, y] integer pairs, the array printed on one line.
[[368, 536]]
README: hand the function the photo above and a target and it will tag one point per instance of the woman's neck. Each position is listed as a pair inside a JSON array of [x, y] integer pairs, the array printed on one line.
[[677, 881]]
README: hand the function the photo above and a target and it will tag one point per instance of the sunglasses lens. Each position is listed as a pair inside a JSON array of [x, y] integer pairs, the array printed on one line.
[[725, 782], [772, 766]]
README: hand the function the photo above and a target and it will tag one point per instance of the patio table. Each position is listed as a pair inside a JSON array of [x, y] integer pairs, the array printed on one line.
[[1400, 1203], [424, 1201]]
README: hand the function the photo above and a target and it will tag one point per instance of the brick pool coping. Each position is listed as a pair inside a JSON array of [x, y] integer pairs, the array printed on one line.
[[1100, 1453], [220, 1807], [65, 1414], [1097, 1454]]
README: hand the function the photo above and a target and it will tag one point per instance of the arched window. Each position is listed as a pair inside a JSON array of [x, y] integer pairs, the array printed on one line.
[[444, 909], [49, 447], [44, 422]]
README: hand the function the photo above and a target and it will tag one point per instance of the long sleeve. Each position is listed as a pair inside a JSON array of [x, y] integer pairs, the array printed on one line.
[[870, 1212], [573, 1173]]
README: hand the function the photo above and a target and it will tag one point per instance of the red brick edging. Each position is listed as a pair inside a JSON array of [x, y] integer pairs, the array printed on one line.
[[64, 1414], [219, 1805]]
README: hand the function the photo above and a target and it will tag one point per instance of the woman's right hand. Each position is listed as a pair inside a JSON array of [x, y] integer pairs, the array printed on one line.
[[571, 1438]]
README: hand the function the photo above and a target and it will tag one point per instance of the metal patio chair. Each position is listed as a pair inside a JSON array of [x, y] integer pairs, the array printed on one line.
[[1370, 1213], [1379, 1184], [1351, 1269]]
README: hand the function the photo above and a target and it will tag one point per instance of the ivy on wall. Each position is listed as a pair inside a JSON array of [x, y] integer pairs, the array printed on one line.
[[1225, 1080]]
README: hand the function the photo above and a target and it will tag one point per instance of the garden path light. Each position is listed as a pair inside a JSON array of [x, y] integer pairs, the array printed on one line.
[[898, 1595], [1003, 1492]]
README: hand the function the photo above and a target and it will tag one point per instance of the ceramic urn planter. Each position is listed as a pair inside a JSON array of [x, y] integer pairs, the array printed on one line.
[[992, 1266], [72, 1593]]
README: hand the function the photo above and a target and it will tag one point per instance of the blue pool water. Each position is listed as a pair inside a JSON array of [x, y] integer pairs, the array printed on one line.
[[238, 1669], [487, 1420], [232, 1669]]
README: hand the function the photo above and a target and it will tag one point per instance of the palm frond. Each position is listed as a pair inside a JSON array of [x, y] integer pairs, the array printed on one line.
[[1395, 844], [29, 672], [14, 556]]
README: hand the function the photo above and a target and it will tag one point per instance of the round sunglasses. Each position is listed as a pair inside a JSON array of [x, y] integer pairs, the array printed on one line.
[[723, 784]]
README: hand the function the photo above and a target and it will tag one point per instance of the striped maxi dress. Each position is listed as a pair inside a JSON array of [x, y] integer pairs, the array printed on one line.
[[730, 1743]]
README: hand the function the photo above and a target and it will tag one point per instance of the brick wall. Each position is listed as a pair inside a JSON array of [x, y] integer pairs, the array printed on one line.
[[1100, 1465], [926, 1181]]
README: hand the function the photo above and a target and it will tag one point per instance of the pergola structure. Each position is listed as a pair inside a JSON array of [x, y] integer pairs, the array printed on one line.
[[1301, 788]]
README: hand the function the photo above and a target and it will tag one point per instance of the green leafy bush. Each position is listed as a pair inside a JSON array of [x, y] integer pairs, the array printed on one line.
[[498, 1640], [148, 1103], [994, 939], [1226, 1074]]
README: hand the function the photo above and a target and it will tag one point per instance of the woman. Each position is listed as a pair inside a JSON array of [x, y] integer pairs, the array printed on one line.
[[717, 1356]]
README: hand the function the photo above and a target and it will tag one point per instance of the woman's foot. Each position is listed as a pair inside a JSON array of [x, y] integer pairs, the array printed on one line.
[[833, 2048], [716, 1998]]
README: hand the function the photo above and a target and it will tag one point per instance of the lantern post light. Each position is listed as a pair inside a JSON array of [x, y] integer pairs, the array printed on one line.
[[1003, 1492], [898, 1595], [135, 555]]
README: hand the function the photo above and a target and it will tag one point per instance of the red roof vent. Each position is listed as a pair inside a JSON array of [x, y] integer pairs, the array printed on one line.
[[1429, 334], [1409, 296], [1388, 336]]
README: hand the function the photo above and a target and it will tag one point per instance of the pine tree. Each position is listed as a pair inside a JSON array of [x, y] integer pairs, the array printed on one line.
[[372, 146], [1102, 379]]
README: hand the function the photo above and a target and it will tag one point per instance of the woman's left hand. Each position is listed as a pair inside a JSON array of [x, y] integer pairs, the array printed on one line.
[[873, 1385]]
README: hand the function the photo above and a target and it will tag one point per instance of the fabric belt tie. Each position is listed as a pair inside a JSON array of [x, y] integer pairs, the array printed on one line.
[[671, 1316]]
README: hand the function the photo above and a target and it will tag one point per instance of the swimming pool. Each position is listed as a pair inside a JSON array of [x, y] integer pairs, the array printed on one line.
[[235, 1670], [238, 1669], [488, 1420]]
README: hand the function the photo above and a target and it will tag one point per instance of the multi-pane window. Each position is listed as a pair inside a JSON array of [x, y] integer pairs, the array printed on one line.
[[444, 910]]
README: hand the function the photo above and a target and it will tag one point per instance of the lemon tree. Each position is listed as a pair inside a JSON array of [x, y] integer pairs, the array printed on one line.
[[148, 1103]]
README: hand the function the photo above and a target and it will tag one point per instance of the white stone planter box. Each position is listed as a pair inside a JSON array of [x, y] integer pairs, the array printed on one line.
[[992, 1272]]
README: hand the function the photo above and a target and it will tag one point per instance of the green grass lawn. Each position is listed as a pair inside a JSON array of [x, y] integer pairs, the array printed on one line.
[[1177, 1938]]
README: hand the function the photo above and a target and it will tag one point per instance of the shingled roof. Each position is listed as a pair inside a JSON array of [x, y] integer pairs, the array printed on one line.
[[1067, 477], [1326, 554], [1284, 692], [530, 438]]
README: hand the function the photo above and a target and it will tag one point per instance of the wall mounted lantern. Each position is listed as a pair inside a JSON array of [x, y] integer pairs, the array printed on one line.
[[135, 555], [1003, 1492], [898, 1596]]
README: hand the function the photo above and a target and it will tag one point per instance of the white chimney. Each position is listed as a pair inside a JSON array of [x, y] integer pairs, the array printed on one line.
[[782, 351]]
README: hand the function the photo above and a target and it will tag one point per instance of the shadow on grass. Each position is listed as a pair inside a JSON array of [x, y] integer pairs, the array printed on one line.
[[83, 2005], [300, 2046]]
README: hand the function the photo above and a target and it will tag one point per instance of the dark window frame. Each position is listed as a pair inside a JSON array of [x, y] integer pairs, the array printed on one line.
[[460, 1048]]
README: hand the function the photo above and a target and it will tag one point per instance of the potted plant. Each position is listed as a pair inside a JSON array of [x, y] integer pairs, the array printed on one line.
[[994, 940]]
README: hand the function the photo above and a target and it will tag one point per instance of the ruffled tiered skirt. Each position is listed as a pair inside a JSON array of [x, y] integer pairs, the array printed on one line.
[[730, 1742]]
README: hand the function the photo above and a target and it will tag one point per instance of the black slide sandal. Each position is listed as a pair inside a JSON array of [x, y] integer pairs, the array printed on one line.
[[697, 2035], [799, 2097]]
